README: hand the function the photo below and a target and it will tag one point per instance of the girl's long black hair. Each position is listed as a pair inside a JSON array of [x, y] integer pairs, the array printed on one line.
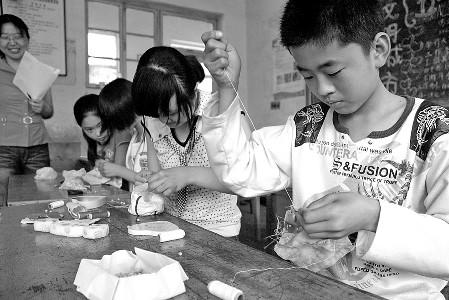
[[83, 106]]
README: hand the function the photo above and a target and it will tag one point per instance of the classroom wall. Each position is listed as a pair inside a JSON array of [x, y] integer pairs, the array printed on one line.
[[250, 25], [262, 27], [62, 126]]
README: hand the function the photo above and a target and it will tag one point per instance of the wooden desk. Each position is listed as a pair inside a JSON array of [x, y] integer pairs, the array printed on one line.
[[43, 266], [23, 189]]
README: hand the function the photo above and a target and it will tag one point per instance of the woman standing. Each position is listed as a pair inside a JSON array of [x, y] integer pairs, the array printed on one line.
[[23, 136]]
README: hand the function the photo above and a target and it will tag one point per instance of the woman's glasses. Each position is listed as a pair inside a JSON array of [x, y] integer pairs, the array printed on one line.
[[16, 37]]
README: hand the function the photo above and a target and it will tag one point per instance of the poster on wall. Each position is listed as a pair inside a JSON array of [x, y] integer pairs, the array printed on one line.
[[46, 22], [288, 82]]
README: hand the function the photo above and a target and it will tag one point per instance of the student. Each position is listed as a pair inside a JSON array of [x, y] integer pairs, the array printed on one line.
[[391, 152], [165, 94], [117, 114], [101, 144]]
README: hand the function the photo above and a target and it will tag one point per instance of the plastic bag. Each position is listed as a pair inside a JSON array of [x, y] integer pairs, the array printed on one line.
[[46, 173], [313, 254]]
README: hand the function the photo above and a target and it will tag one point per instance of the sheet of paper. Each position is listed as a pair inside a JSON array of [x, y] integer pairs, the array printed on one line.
[[33, 77]]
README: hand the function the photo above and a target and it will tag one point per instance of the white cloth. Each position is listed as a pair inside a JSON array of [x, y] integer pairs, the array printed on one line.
[[46, 173], [406, 168], [124, 275]]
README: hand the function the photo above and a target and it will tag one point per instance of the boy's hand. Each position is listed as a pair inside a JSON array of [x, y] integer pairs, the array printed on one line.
[[219, 56], [168, 181], [337, 215]]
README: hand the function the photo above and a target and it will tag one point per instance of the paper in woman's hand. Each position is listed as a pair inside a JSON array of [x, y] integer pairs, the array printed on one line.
[[33, 77]]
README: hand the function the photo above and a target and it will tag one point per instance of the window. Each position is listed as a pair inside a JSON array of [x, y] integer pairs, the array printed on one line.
[[119, 32]]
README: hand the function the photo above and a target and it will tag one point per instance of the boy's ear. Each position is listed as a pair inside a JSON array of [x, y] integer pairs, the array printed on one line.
[[381, 48]]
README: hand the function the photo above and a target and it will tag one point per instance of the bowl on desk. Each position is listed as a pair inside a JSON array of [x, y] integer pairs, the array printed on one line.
[[90, 201]]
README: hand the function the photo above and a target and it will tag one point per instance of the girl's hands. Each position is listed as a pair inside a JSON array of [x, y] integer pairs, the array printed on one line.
[[337, 215], [144, 175], [108, 169], [220, 56], [168, 181]]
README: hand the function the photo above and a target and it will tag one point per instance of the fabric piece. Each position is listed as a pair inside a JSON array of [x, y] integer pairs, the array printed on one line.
[[46, 173]]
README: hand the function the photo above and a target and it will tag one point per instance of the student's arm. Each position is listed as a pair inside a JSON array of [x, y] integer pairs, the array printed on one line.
[[108, 169], [168, 181], [223, 62], [416, 242], [249, 164]]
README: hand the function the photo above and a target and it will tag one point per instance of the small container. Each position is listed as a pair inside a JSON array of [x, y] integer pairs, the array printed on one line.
[[56, 204], [90, 202]]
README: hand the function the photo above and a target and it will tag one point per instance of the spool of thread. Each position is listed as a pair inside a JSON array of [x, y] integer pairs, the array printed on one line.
[[56, 204], [100, 214], [83, 215], [224, 291]]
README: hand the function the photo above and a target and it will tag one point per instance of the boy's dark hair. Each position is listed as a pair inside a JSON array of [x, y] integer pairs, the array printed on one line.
[[16, 21], [87, 104], [323, 21], [116, 105], [161, 73]]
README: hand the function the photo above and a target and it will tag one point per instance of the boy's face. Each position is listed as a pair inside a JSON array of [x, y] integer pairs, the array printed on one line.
[[342, 76]]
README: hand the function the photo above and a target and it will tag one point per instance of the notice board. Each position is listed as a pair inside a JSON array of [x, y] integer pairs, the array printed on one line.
[[419, 61], [46, 23]]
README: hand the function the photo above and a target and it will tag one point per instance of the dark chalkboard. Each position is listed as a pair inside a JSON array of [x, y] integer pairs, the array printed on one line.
[[419, 61]]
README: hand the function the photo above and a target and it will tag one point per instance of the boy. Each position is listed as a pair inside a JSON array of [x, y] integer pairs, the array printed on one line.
[[390, 152]]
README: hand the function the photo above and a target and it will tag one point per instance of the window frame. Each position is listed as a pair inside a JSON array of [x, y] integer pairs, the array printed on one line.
[[159, 10]]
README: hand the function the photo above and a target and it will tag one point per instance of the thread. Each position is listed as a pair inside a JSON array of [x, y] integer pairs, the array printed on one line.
[[285, 189], [100, 214], [287, 268], [249, 117], [56, 204], [224, 291]]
